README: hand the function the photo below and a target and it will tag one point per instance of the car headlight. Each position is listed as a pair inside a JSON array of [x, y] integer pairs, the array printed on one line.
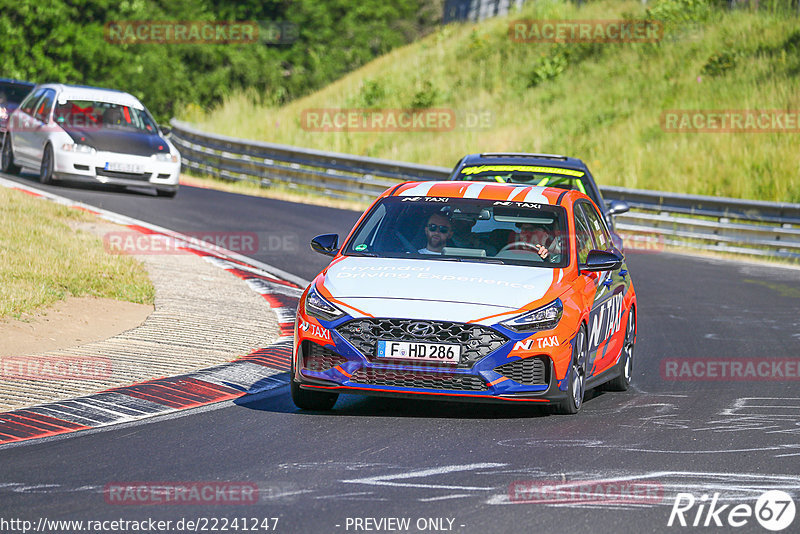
[[166, 156], [75, 147], [317, 306], [544, 318]]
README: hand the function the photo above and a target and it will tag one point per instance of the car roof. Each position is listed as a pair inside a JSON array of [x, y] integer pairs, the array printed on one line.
[[522, 158], [99, 94], [486, 191]]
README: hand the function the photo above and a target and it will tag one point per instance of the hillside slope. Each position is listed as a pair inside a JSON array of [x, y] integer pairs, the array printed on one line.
[[600, 102]]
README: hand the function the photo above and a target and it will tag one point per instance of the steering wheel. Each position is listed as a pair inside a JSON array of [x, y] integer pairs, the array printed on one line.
[[520, 244]]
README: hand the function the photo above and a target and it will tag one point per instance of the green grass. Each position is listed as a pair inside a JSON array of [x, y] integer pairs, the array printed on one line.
[[599, 102], [43, 260]]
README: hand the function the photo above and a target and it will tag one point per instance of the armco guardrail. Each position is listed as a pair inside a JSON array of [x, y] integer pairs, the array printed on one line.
[[338, 175], [656, 218]]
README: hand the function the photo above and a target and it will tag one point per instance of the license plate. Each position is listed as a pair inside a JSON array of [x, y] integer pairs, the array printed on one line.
[[124, 167], [420, 352]]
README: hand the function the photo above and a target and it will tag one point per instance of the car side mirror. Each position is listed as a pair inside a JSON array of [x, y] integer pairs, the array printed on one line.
[[602, 260], [615, 207], [166, 130], [327, 244]]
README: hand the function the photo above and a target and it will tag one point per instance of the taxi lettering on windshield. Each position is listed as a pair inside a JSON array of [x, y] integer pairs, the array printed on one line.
[[314, 330], [540, 343], [515, 204], [425, 199]]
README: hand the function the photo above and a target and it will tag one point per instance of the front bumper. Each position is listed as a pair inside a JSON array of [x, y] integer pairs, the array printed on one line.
[[93, 168], [324, 360], [551, 395]]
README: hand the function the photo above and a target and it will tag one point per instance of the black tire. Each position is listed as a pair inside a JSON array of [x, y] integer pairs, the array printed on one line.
[[623, 380], [48, 163], [7, 158], [318, 401], [577, 377], [169, 193]]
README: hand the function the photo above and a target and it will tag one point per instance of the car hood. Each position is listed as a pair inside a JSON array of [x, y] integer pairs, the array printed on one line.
[[434, 289], [126, 142]]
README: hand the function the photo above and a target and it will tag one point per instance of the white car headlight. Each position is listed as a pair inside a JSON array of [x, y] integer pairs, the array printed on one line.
[[317, 306], [544, 318], [74, 147], [166, 156]]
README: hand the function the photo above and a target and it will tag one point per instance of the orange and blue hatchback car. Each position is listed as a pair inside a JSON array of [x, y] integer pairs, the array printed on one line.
[[468, 291]]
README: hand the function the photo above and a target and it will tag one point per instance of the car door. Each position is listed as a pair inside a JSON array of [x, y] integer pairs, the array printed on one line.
[[605, 339], [42, 128], [24, 123]]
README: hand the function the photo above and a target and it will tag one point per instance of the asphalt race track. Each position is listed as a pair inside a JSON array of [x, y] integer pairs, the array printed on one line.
[[448, 466]]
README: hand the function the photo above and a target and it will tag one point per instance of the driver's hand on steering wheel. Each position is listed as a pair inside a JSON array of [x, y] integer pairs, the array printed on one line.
[[542, 251]]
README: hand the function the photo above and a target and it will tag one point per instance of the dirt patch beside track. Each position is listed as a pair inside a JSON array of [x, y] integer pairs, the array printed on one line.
[[75, 321]]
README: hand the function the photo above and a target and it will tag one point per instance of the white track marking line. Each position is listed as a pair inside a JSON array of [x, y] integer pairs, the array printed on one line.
[[389, 480]]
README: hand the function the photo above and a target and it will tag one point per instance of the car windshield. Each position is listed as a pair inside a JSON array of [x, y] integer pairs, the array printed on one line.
[[525, 174], [12, 92], [90, 114], [458, 229]]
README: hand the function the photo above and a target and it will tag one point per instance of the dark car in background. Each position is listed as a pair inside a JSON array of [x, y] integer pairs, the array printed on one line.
[[12, 92], [550, 170]]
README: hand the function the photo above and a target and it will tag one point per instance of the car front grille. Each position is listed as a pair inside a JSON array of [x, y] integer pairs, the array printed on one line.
[[419, 379], [318, 358], [476, 341], [528, 371], [144, 176]]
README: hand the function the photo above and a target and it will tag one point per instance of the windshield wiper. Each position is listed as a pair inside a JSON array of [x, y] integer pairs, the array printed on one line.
[[485, 260], [363, 254]]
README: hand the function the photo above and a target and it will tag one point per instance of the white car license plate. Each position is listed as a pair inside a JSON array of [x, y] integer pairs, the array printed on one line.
[[420, 352], [124, 167]]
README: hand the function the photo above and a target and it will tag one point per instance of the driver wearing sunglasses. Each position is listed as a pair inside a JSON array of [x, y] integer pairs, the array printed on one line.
[[438, 230]]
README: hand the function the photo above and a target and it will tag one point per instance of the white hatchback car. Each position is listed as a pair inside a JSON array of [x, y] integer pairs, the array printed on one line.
[[88, 133]]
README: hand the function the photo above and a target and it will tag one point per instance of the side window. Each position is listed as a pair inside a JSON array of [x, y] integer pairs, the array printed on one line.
[[583, 234], [364, 240], [29, 103], [601, 236], [45, 106]]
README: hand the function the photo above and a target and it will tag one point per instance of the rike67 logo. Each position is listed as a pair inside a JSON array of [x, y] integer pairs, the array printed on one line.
[[774, 510]]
